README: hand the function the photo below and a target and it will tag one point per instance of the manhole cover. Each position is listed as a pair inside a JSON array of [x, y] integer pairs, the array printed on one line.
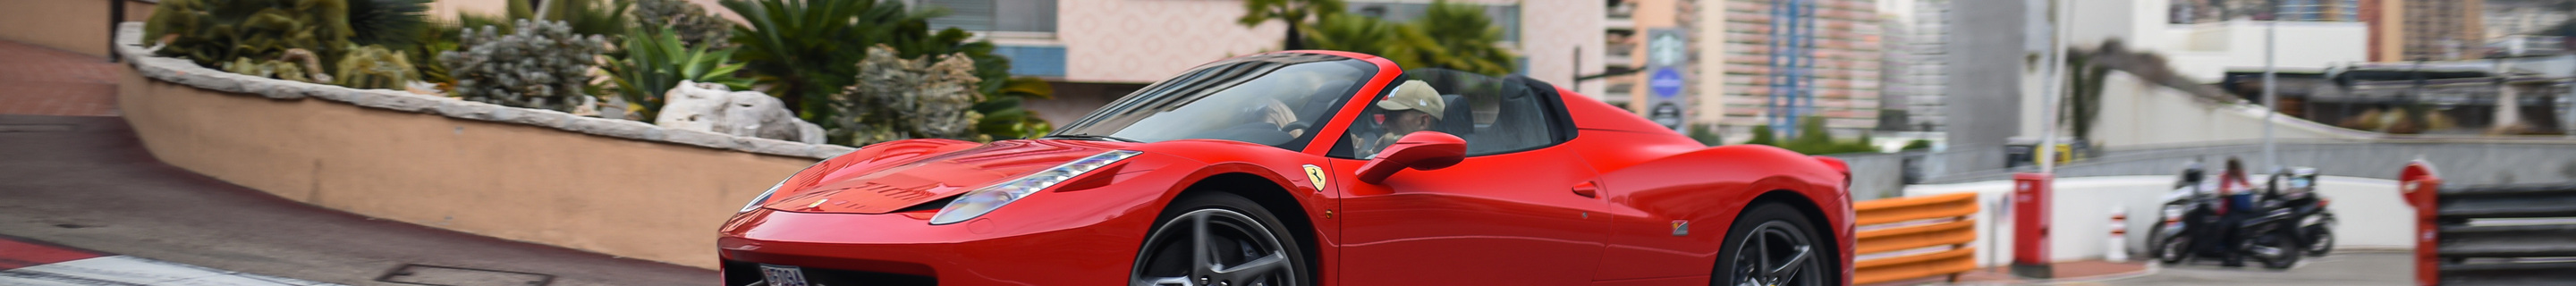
[[458, 276], [34, 128]]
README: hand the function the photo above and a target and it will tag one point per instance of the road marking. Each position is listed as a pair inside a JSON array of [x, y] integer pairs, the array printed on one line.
[[32, 264]]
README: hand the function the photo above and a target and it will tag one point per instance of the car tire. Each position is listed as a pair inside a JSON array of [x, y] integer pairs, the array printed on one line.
[[1772, 244], [1240, 244]]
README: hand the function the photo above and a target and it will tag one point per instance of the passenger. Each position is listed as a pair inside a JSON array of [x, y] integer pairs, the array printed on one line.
[[1414, 106], [2235, 204]]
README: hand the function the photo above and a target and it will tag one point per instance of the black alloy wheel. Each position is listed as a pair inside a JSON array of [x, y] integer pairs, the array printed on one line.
[[1771, 244], [1218, 239]]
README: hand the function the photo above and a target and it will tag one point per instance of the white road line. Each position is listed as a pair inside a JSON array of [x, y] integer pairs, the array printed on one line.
[[123, 270]]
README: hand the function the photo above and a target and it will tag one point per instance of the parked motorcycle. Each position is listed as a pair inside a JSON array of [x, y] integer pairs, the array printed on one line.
[[2316, 224], [2273, 235]]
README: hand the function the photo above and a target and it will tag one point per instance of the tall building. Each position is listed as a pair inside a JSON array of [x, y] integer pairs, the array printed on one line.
[[1772, 62], [2207, 11], [2440, 29], [2506, 18], [1927, 62]]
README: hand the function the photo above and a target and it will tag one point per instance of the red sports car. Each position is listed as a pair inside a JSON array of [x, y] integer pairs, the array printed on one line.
[[1309, 168]]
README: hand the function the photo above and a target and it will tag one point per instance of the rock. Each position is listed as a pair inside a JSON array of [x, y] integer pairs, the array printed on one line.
[[711, 107], [692, 106], [749, 113]]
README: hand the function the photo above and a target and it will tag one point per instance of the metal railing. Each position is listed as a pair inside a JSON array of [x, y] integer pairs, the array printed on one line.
[[1915, 237], [2490, 235]]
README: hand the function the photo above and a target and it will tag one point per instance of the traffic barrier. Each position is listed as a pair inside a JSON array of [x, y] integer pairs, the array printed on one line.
[[1924, 236], [2449, 250]]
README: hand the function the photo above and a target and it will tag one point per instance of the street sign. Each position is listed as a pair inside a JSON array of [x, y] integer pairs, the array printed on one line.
[[1665, 82]]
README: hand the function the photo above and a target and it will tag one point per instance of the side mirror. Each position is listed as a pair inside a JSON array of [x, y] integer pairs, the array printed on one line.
[[1425, 150]]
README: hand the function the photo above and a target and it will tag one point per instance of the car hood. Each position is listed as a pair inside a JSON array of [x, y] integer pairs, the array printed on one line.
[[937, 177]]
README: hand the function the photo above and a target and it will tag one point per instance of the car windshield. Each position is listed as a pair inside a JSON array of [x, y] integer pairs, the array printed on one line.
[[1271, 99]]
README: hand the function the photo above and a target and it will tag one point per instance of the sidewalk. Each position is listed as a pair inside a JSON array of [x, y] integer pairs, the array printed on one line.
[[2089, 270], [36, 80], [86, 182]]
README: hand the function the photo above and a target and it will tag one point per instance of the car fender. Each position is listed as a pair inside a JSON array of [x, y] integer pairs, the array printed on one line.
[[1713, 186]]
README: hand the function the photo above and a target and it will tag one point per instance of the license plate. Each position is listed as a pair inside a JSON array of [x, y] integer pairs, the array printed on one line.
[[781, 275]]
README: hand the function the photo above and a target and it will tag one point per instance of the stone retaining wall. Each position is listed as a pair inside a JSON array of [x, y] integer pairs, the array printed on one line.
[[611, 186]]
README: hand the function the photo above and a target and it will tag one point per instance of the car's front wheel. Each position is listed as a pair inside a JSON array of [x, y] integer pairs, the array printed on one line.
[[1771, 244], [1219, 239]]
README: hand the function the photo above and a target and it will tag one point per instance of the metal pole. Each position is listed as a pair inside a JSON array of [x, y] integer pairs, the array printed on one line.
[[2049, 88], [2271, 94], [115, 16]]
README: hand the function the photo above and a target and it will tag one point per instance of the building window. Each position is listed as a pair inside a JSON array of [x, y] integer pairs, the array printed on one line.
[[1037, 61], [995, 15]]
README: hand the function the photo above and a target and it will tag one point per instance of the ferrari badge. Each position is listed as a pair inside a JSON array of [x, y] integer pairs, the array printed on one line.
[[1315, 175]]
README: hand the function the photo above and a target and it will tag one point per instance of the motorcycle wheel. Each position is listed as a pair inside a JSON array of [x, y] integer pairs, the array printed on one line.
[[2320, 240], [2289, 246], [2173, 250]]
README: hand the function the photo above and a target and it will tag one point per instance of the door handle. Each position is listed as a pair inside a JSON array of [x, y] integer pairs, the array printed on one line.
[[1587, 189]]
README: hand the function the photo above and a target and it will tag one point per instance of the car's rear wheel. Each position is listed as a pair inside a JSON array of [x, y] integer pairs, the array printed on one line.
[[1219, 239], [1771, 244]]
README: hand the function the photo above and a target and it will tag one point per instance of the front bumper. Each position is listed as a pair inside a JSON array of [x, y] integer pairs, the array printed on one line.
[[1068, 238]]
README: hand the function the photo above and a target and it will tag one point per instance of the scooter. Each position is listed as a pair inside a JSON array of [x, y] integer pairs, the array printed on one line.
[[2190, 214], [2316, 224]]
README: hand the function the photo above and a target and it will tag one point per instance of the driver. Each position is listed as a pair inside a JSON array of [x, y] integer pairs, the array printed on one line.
[[1415, 106]]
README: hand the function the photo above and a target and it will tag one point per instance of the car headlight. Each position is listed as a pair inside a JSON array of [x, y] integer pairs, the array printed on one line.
[[984, 200], [764, 196]]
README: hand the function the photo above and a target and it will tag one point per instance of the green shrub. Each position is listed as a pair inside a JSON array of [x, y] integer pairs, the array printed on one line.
[[396, 24], [286, 69], [898, 98], [215, 32], [1762, 135], [694, 24], [655, 60], [375, 67], [541, 64], [1813, 139], [1918, 144]]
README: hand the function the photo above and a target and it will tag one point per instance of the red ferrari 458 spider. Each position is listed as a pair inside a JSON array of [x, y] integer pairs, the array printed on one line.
[[1309, 168]]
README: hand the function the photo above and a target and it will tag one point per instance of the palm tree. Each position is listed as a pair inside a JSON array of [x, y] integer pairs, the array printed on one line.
[[1447, 36], [1467, 41], [1294, 12]]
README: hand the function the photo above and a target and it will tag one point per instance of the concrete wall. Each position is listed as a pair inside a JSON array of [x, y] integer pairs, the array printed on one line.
[[1986, 72], [647, 200], [2463, 162], [2135, 113], [79, 26], [2372, 215], [611, 186], [2205, 52]]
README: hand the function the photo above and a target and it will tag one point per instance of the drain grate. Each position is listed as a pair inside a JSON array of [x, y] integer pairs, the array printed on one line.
[[417, 274], [35, 128]]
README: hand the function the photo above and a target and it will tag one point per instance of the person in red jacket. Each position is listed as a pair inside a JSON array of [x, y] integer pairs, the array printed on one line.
[[2235, 204]]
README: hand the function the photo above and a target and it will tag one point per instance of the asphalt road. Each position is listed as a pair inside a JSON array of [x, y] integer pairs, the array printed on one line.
[[86, 182], [2338, 269]]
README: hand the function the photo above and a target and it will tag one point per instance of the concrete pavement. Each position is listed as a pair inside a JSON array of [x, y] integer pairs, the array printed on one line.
[[86, 182]]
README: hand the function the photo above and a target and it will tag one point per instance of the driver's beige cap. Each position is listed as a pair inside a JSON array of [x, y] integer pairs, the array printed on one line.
[[1415, 95]]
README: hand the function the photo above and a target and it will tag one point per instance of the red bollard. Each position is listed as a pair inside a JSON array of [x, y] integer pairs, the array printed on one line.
[[2030, 225], [2420, 186]]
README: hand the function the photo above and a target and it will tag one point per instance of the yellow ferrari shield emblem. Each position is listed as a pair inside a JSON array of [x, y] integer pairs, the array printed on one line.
[[1315, 175]]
